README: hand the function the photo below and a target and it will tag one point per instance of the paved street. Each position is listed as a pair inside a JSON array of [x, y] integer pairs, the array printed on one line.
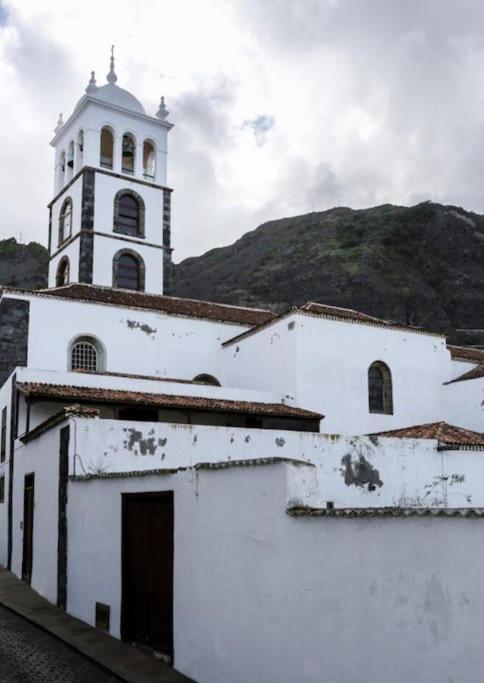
[[29, 655]]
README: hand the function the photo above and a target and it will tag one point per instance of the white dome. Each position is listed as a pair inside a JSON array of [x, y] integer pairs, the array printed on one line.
[[118, 97]]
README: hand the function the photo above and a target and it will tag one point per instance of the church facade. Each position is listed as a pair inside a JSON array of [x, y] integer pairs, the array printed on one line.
[[253, 496]]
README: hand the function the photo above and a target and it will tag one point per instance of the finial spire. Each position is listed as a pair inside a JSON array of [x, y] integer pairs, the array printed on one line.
[[91, 86], [59, 125], [112, 78], [162, 112]]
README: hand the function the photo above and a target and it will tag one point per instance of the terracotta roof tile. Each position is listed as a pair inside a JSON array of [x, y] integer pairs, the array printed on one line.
[[57, 418], [475, 373], [97, 395], [190, 308], [352, 513], [343, 314], [466, 353], [333, 313], [445, 434]]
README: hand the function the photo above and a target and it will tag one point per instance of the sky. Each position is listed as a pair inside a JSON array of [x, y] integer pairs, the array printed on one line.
[[281, 107]]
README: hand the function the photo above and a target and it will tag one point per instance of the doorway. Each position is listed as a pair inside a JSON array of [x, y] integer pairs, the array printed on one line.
[[147, 570], [28, 527]]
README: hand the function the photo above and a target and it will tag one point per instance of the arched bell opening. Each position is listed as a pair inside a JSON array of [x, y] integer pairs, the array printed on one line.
[[149, 160], [107, 148], [128, 154]]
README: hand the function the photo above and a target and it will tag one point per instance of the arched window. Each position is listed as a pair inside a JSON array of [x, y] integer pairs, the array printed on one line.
[[149, 160], [207, 379], [380, 391], [62, 276], [86, 355], [128, 154], [62, 171], [128, 270], [129, 214], [80, 150], [65, 221], [70, 155], [107, 146]]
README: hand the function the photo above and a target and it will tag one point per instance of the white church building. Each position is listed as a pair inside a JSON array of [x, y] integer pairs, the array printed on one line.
[[294, 498]]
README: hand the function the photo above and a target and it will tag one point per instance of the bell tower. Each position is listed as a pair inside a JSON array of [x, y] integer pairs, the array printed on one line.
[[109, 220]]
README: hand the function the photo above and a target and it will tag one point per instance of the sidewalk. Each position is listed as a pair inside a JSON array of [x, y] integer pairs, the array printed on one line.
[[126, 662]]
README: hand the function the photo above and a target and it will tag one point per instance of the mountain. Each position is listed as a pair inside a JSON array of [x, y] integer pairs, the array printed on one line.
[[420, 265]]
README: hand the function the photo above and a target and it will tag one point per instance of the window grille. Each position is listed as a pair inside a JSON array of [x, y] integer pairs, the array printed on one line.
[[84, 356]]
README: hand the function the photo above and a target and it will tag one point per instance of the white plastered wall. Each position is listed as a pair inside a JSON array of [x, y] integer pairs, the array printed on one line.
[[465, 403], [136, 341], [322, 365], [350, 598], [5, 402], [43, 461]]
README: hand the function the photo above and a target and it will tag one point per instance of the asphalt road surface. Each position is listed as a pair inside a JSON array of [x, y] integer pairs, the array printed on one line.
[[29, 655]]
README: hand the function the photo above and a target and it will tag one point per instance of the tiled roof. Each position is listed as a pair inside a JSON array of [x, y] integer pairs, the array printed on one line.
[[466, 353], [445, 434], [97, 395], [332, 313], [220, 465], [190, 308], [351, 513], [343, 314], [475, 373], [57, 418]]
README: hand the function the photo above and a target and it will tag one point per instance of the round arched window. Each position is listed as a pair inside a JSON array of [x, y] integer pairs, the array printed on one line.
[[86, 355], [128, 276], [65, 221], [62, 276]]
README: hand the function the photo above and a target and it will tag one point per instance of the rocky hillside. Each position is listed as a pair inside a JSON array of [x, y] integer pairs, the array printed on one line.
[[422, 265], [23, 265]]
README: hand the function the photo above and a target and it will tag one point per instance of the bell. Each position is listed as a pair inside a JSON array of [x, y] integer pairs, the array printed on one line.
[[128, 149]]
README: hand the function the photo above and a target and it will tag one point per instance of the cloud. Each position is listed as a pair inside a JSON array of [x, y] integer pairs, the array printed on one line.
[[377, 101], [3, 14], [261, 125]]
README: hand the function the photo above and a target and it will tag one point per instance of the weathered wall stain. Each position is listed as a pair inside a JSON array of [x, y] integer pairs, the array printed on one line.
[[136, 325], [138, 443], [280, 442], [359, 472]]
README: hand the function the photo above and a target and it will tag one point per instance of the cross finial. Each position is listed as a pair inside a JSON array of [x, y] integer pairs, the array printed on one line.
[[111, 77], [91, 86]]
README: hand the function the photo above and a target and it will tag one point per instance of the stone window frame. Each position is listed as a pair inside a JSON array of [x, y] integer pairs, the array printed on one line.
[[386, 388], [141, 264], [141, 212], [62, 261], [62, 237]]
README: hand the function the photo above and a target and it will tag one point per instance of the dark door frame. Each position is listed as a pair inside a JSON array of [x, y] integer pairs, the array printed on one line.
[[125, 498], [28, 528]]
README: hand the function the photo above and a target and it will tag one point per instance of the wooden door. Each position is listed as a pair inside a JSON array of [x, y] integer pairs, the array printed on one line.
[[147, 572], [28, 527]]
